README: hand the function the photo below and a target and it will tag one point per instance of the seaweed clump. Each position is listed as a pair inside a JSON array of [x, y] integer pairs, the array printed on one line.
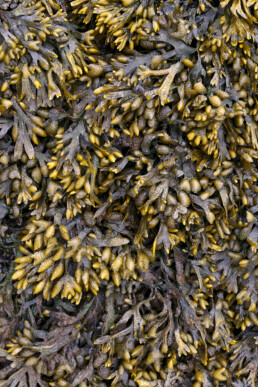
[[128, 195]]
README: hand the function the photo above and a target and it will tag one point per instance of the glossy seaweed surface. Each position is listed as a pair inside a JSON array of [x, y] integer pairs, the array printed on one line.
[[128, 193]]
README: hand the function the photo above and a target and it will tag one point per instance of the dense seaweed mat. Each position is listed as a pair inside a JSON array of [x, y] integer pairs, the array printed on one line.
[[128, 194]]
